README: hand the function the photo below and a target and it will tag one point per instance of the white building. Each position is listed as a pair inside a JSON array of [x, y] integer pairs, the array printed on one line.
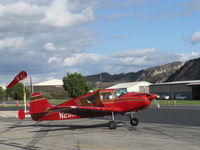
[[50, 89], [53, 82], [141, 86], [3, 86], [50, 85]]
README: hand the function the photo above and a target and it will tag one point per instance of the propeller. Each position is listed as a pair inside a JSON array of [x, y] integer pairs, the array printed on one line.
[[153, 97], [156, 102]]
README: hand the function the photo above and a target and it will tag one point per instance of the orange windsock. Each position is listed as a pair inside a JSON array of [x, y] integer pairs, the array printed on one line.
[[22, 75]]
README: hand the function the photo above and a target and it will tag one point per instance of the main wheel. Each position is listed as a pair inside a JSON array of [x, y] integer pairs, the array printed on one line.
[[112, 125], [134, 122]]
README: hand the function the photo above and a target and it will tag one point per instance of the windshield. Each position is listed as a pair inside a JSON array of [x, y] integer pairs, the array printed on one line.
[[119, 92]]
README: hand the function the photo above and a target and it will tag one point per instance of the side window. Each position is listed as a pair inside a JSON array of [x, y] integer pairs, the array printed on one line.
[[106, 96], [91, 99]]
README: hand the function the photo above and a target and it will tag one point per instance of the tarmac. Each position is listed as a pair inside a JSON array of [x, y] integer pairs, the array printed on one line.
[[168, 128]]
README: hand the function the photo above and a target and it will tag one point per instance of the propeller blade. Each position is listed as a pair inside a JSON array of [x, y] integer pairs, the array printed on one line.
[[156, 102]]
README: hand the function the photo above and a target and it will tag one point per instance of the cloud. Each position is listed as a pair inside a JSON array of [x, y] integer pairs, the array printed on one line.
[[183, 9], [134, 53], [187, 56], [149, 57], [119, 36], [59, 14], [31, 39], [26, 17], [142, 58], [87, 63], [117, 16], [131, 3], [12, 42], [53, 59], [192, 5], [194, 38], [81, 59], [20, 16], [19, 9], [189, 7], [49, 46], [123, 61]]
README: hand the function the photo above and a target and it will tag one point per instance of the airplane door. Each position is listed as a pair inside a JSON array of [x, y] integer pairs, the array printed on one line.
[[107, 98]]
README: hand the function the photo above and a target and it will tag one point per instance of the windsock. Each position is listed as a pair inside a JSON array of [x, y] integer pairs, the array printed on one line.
[[22, 75]]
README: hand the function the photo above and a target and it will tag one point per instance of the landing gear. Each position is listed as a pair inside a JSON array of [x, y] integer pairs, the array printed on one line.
[[112, 124], [133, 121]]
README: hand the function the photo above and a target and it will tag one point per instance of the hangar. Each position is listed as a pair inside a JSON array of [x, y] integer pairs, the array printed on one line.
[[51, 88], [141, 86], [50, 85], [178, 89]]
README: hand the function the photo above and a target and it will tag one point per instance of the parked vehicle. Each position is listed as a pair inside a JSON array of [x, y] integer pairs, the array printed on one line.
[[165, 97], [181, 97]]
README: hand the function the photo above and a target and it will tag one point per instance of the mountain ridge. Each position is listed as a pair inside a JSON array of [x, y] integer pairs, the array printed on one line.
[[189, 71], [156, 74]]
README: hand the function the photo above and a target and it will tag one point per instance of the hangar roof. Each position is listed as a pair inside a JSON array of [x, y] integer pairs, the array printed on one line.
[[128, 84], [189, 82], [54, 82]]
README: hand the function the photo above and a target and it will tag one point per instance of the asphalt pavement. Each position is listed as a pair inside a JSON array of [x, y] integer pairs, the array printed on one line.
[[168, 128]]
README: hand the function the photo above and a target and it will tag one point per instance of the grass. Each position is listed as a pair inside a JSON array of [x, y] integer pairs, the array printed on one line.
[[52, 101], [179, 102], [57, 101], [161, 102]]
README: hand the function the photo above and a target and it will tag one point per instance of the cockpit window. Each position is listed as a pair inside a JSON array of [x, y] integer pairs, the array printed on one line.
[[119, 92], [106, 96], [91, 99]]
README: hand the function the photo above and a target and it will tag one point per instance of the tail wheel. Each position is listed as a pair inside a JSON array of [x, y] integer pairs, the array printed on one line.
[[134, 122], [112, 125]]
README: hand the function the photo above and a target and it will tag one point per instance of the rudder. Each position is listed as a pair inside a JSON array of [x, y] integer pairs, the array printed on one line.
[[38, 106]]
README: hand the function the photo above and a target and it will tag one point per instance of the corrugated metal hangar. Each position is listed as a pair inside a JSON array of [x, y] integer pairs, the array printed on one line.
[[178, 89], [140, 86]]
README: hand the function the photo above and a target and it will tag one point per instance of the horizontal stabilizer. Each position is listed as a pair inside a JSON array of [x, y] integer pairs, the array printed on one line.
[[22, 114]]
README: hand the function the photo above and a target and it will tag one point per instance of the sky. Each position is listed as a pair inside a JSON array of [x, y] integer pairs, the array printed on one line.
[[50, 38]]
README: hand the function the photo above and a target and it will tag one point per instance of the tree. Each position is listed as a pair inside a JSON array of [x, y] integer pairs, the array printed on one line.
[[16, 92], [75, 84], [1, 93]]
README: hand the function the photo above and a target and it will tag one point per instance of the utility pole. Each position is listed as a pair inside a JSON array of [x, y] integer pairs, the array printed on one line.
[[31, 85]]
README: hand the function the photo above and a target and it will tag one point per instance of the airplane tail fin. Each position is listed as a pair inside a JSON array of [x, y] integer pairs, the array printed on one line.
[[38, 107], [39, 104]]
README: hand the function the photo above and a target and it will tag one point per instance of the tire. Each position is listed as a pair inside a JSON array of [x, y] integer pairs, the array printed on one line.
[[134, 122], [112, 125]]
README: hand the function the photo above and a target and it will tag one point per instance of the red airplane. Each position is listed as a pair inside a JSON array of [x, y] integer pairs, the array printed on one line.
[[103, 102]]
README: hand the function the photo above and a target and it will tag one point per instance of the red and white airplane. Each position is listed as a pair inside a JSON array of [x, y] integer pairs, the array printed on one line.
[[103, 102]]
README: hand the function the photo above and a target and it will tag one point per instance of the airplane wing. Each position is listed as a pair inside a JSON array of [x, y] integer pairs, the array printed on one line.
[[100, 109], [85, 110]]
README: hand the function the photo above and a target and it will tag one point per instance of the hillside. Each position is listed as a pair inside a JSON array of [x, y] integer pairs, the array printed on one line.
[[153, 75], [189, 71]]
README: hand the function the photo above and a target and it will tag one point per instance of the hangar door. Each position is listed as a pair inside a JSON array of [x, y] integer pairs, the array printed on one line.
[[196, 92]]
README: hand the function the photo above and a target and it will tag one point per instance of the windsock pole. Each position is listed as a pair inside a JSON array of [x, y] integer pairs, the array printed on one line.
[[24, 93], [20, 76]]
